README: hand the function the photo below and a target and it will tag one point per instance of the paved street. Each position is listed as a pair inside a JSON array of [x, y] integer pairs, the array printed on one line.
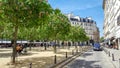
[[91, 59]]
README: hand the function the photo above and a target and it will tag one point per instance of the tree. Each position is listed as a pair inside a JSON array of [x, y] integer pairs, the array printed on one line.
[[58, 27], [28, 13], [77, 34], [101, 39]]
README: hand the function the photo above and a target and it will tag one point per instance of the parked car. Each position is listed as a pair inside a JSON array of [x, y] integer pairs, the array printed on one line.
[[97, 47]]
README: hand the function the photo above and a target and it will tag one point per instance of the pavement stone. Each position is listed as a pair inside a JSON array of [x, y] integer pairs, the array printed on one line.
[[116, 53]]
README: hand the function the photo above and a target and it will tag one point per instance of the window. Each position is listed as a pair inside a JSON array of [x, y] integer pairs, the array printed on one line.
[[73, 22], [81, 20], [91, 21], [88, 20], [84, 20]]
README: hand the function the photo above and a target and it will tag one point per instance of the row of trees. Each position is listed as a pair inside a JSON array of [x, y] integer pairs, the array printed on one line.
[[35, 20]]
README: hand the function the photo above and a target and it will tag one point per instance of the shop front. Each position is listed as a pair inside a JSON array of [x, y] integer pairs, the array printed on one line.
[[118, 37]]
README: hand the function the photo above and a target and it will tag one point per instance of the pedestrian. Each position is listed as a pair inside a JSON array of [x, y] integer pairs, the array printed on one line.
[[18, 48]]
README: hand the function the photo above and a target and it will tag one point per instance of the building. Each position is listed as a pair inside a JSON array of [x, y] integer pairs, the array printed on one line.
[[86, 23], [112, 22]]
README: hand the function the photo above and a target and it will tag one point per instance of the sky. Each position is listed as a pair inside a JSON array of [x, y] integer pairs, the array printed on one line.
[[82, 8]]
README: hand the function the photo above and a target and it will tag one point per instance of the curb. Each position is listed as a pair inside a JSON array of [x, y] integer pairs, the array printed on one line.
[[66, 61]]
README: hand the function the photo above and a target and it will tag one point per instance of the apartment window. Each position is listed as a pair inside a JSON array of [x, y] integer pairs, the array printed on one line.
[[73, 22], [84, 20], [81, 20], [88, 20], [91, 21]]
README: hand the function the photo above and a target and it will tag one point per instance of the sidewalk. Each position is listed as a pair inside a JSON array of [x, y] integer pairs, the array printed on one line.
[[115, 58]]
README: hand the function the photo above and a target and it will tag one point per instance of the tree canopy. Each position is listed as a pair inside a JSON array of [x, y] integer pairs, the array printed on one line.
[[35, 20]]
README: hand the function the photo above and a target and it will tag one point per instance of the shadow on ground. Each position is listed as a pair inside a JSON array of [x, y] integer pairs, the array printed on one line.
[[6, 55], [4, 50], [83, 64], [87, 54]]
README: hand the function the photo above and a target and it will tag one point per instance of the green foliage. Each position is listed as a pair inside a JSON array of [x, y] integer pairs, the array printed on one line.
[[36, 20], [101, 39], [59, 25], [26, 14], [26, 11], [20, 15], [77, 34]]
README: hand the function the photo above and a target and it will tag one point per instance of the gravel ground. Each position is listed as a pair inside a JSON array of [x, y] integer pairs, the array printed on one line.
[[39, 57], [42, 62]]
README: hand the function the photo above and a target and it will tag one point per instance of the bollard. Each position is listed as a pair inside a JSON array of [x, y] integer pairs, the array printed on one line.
[[30, 65], [55, 59], [109, 53], [119, 63], [66, 55], [113, 57]]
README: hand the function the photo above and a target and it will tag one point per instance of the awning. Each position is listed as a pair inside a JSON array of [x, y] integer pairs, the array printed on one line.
[[112, 38]]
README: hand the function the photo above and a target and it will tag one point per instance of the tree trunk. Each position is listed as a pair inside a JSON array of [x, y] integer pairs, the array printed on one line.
[[44, 44], [55, 49], [14, 44], [30, 45]]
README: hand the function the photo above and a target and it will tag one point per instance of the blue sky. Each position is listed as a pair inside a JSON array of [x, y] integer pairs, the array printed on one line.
[[82, 8]]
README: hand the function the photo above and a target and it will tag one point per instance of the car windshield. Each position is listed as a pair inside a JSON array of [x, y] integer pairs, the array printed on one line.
[[97, 45]]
